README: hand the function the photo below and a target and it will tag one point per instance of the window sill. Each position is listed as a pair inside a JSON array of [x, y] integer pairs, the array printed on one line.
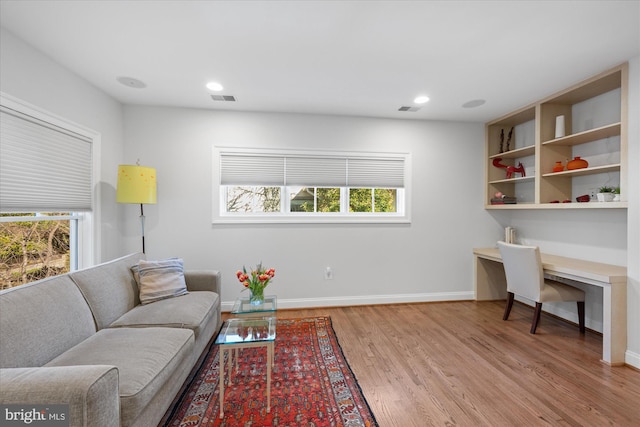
[[294, 219]]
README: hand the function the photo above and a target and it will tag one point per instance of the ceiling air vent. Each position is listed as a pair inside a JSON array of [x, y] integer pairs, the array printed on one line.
[[223, 98], [406, 108]]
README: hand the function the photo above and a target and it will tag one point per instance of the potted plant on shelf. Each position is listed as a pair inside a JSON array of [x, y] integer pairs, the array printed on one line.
[[616, 194], [605, 194]]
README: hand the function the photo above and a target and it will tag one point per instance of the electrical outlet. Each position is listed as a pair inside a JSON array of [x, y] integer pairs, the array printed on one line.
[[328, 273]]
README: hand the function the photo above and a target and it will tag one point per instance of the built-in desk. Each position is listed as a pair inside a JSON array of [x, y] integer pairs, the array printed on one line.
[[490, 283]]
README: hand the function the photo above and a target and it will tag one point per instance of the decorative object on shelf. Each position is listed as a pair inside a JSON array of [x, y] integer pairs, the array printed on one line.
[[583, 199], [501, 141], [256, 281], [509, 139], [502, 199], [605, 194], [577, 163], [137, 184], [566, 201], [560, 127], [558, 167], [616, 194], [510, 169], [509, 235]]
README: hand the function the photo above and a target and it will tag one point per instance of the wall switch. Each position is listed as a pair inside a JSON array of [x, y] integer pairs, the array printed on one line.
[[328, 273]]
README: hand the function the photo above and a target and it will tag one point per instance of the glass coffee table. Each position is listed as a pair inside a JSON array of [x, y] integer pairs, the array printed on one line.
[[243, 307], [239, 333]]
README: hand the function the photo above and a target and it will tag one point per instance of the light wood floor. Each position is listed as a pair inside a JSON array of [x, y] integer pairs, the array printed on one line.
[[460, 364]]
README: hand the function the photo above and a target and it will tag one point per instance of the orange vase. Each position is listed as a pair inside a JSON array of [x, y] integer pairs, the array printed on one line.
[[577, 163], [559, 167]]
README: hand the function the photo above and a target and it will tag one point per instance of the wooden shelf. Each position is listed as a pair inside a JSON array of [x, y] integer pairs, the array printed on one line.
[[593, 100], [586, 136], [513, 180], [572, 205], [585, 171], [514, 154]]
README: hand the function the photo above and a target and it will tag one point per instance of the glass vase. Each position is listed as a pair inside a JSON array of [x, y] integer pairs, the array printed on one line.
[[257, 297]]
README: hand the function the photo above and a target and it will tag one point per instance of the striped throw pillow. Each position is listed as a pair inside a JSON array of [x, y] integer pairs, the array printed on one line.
[[158, 280]]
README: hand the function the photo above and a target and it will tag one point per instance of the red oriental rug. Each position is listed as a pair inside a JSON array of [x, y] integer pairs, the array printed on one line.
[[311, 384]]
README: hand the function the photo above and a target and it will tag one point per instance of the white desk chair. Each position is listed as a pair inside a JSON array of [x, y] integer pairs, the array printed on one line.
[[525, 277]]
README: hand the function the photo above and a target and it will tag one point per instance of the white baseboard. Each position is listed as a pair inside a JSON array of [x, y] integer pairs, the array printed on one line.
[[364, 300], [632, 359]]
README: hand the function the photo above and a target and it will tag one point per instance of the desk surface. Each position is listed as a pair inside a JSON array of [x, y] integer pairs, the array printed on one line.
[[597, 271]]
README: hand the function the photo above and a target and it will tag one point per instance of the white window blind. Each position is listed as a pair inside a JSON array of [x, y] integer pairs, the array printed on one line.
[[316, 171], [239, 169], [381, 173], [321, 170], [43, 168]]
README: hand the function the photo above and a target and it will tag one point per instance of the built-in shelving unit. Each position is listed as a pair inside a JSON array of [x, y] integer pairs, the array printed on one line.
[[595, 122]]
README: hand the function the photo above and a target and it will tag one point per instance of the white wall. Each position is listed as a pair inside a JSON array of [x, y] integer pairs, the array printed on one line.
[[633, 215], [429, 259], [31, 76]]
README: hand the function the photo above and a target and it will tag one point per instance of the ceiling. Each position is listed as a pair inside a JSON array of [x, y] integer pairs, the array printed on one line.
[[362, 58]]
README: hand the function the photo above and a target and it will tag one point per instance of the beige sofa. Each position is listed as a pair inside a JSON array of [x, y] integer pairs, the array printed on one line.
[[83, 339]]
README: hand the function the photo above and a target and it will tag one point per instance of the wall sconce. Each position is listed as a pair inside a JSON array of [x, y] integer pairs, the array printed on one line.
[[137, 184]]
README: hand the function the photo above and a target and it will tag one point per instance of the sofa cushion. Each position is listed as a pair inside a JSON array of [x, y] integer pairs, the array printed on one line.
[[158, 280], [109, 288], [41, 320], [192, 311], [145, 357]]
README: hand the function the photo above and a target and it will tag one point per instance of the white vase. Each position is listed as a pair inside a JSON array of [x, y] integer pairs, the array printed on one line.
[[605, 197], [560, 127]]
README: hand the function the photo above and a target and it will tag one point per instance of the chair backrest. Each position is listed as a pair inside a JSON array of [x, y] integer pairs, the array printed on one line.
[[523, 268]]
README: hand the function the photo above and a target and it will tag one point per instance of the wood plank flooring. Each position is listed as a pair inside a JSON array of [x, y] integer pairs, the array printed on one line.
[[460, 364]]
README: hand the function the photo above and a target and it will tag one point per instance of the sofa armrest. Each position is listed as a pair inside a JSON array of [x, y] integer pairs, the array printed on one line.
[[91, 391], [203, 280]]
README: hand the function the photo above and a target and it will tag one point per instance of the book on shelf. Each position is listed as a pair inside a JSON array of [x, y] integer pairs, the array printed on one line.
[[505, 200]]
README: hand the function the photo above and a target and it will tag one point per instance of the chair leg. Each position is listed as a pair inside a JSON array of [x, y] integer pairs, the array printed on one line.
[[581, 316], [507, 309], [536, 317]]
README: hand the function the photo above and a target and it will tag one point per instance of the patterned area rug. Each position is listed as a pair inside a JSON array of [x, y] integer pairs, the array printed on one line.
[[311, 384]]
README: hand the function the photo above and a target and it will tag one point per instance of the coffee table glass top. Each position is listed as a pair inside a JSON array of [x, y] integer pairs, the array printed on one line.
[[244, 306], [244, 330]]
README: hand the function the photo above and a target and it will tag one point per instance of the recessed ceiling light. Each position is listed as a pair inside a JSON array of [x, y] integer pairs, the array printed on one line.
[[214, 86], [473, 104], [421, 99], [131, 82]]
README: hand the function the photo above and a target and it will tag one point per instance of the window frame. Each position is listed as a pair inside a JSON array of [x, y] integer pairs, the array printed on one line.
[[403, 203], [87, 228]]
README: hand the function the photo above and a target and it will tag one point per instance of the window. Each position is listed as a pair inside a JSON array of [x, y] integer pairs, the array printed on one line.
[[303, 186], [35, 246], [47, 171]]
